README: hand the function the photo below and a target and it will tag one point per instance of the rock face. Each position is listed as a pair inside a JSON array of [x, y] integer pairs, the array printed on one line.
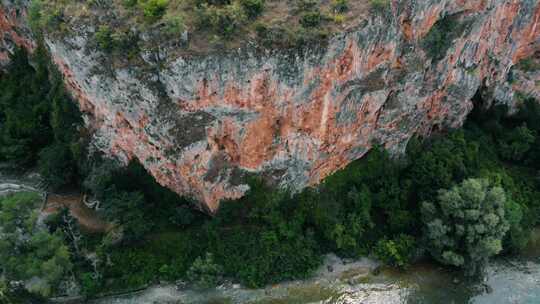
[[198, 125], [13, 29]]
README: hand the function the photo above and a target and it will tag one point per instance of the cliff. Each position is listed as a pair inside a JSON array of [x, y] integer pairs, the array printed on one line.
[[199, 124]]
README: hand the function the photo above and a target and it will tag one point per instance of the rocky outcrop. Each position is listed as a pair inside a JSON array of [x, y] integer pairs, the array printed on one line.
[[199, 125], [13, 29]]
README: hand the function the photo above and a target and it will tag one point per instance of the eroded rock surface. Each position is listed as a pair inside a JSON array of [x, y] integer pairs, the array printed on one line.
[[198, 125]]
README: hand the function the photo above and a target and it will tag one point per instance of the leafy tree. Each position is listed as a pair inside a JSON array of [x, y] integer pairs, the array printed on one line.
[[56, 166], [205, 273], [24, 109], [31, 254], [516, 143], [397, 252], [466, 224], [126, 209]]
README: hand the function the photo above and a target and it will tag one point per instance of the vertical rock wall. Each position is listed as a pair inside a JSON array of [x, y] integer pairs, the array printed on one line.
[[198, 125]]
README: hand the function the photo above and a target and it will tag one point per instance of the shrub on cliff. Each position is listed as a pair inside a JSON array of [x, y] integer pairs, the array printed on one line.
[[466, 224], [253, 8], [379, 5], [222, 20], [153, 9], [340, 6], [311, 19]]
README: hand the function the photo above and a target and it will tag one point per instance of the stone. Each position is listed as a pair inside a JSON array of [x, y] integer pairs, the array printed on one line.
[[201, 123]]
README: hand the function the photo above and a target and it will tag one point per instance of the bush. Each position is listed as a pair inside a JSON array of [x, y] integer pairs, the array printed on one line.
[[174, 25], [35, 256], [205, 273], [397, 252], [441, 35], [103, 37], [253, 8], [153, 10], [223, 20], [516, 143], [466, 225], [56, 166], [311, 19], [127, 210], [340, 6]]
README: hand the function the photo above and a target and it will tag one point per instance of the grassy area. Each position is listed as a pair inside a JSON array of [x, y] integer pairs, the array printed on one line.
[[202, 26]]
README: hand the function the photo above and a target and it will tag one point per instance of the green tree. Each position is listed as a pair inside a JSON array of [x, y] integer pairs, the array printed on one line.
[[516, 143], [29, 253], [396, 252], [127, 210], [466, 224], [204, 272]]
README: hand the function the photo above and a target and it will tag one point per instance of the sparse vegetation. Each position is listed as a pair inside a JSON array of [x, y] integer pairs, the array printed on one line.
[[441, 35], [208, 23], [379, 5]]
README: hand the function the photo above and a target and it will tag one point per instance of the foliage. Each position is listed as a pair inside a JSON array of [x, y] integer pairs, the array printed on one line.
[[39, 122], [397, 252], [516, 143], [103, 37], [311, 19], [529, 64], [253, 8], [466, 225], [153, 9], [224, 20], [204, 272], [340, 6], [33, 255], [174, 25], [441, 35], [126, 210], [270, 235], [379, 5]]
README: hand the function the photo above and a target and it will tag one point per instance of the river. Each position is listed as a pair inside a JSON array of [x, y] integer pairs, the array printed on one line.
[[508, 281]]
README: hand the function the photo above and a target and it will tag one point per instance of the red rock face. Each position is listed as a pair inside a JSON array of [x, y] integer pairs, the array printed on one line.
[[297, 119], [13, 32]]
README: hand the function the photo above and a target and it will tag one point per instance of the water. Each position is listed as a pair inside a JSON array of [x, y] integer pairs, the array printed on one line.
[[513, 280], [508, 281]]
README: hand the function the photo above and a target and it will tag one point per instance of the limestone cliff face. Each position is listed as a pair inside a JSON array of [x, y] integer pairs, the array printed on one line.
[[13, 29], [198, 125]]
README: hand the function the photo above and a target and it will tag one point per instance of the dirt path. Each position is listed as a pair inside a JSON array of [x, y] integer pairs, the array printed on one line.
[[87, 218]]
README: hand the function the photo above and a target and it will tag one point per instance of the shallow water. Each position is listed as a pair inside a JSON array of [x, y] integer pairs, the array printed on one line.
[[509, 280], [514, 280]]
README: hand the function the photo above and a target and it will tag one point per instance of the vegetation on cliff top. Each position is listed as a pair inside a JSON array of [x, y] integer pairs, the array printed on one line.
[[200, 26]]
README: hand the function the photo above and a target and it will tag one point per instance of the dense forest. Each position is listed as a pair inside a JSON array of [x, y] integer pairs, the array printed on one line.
[[459, 198]]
